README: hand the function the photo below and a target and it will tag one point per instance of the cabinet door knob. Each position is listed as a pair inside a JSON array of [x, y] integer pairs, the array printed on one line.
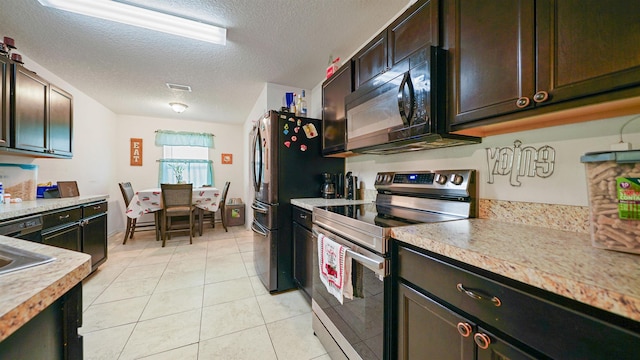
[[522, 102], [541, 96], [482, 340], [464, 329]]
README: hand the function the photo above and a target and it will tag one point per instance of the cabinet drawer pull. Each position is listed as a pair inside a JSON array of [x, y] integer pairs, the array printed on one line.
[[97, 207], [541, 96], [478, 296], [303, 216], [464, 329], [523, 102], [63, 217], [482, 340]]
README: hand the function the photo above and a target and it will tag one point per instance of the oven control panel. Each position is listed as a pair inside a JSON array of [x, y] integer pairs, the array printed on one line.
[[438, 179]]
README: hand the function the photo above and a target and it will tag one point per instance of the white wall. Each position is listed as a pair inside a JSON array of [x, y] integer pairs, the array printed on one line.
[[229, 139]]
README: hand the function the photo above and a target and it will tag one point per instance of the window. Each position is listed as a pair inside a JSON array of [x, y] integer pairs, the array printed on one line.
[[185, 158], [186, 164]]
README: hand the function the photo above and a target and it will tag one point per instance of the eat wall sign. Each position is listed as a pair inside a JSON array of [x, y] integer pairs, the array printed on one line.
[[136, 152]]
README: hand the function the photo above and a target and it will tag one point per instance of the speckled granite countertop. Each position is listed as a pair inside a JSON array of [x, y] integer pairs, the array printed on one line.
[[27, 292], [561, 262], [9, 211], [310, 203]]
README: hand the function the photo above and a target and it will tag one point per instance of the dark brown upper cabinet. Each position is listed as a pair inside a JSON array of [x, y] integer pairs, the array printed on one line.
[[334, 117], [4, 102], [371, 60], [416, 28], [510, 56], [60, 121], [41, 115], [30, 110]]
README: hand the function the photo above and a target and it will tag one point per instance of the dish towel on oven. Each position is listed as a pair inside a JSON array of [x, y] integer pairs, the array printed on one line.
[[335, 269]]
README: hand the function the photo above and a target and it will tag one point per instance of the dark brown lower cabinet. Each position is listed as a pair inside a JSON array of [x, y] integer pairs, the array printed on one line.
[[52, 334], [428, 330], [67, 237], [80, 228], [446, 309], [94, 232], [303, 251]]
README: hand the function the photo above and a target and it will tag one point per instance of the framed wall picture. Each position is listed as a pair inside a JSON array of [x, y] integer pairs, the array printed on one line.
[[136, 152], [227, 159]]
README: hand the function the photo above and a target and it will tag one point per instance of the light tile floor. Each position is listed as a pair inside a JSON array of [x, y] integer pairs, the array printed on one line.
[[191, 301]]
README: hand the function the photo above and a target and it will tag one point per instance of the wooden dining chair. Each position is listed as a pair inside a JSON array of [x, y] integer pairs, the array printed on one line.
[[134, 225], [221, 207], [221, 203], [176, 202]]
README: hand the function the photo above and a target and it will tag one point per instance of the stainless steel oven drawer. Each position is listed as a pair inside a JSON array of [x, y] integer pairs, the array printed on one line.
[[529, 317]]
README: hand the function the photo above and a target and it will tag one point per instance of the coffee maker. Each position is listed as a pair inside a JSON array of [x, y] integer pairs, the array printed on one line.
[[351, 186], [328, 188]]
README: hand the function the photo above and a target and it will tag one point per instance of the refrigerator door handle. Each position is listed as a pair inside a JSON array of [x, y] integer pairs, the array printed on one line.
[[255, 226], [259, 208], [257, 176]]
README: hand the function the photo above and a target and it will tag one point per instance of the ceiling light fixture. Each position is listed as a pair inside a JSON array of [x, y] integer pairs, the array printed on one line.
[[148, 19], [178, 107]]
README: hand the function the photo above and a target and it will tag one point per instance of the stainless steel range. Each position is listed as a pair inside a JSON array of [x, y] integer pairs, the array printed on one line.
[[357, 329]]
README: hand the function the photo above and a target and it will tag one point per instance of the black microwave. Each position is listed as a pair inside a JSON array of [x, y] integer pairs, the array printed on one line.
[[403, 109]]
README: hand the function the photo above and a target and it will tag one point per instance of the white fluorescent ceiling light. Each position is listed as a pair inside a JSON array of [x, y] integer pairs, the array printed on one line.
[[131, 15]]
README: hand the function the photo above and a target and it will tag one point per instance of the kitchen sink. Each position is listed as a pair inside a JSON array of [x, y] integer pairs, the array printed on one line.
[[14, 259]]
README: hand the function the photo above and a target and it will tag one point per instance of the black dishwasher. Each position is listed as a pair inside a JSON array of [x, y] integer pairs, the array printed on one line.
[[27, 228]]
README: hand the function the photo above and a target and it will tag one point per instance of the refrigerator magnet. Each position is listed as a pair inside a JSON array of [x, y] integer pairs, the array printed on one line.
[[310, 130], [303, 147], [287, 143], [294, 138]]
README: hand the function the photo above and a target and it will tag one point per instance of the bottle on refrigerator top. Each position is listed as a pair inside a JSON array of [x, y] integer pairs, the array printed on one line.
[[293, 109], [303, 105], [1, 194]]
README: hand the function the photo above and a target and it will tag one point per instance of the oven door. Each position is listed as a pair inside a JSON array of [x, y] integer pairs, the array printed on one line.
[[357, 325]]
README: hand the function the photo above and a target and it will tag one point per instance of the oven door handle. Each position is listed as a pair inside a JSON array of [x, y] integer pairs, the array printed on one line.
[[375, 265], [367, 262]]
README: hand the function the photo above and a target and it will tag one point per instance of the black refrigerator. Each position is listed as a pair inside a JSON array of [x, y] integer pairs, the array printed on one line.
[[286, 163]]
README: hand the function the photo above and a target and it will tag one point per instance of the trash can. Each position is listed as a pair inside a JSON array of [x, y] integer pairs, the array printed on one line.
[[234, 214]]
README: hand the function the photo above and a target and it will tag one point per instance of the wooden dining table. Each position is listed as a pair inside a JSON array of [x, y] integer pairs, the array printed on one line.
[[150, 201]]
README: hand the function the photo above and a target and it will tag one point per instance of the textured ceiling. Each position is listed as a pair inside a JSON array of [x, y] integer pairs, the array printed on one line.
[[126, 68]]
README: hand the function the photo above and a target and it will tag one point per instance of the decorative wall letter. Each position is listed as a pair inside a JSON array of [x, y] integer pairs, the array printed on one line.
[[136, 152], [520, 161]]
